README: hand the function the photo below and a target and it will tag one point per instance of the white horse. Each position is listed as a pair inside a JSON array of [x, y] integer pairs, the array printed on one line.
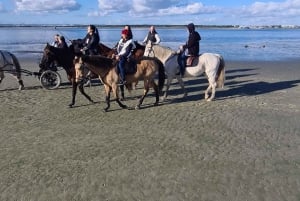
[[212, 64], [10, 64]]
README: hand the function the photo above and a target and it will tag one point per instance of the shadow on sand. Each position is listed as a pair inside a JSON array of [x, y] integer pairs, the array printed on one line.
[[233, 88]]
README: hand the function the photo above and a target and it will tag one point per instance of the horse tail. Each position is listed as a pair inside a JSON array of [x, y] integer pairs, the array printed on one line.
[[17, 65], [220, 78], [161, 75]]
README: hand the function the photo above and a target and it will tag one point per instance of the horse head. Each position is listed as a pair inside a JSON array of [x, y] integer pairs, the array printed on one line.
[[48, 57], [138, 51]]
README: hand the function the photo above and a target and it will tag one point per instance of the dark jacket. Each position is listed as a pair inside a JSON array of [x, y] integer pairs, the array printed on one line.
[[63, 43], [192, 44], [151, 37], [91, 43]]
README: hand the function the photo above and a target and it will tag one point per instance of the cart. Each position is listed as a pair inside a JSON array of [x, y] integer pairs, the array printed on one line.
[[48, 79]]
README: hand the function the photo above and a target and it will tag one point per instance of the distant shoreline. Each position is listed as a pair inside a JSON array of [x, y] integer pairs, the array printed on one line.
[[158, 26]]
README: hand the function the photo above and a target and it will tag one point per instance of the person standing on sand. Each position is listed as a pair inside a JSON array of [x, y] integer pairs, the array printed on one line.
[[152, 36], [192, 46]]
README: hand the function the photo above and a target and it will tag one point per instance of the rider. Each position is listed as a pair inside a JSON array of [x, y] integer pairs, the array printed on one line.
[[192, 46], [124, 48], [91, 41], [152, 36], [128, 27], [56, 40], [62, 42]]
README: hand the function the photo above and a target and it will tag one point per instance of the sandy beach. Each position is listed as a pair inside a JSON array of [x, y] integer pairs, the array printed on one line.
[[245, 145]]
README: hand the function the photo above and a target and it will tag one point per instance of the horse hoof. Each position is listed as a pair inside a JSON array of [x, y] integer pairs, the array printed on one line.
[[137, 107], [21, 88], [71, 105], [155, 104]]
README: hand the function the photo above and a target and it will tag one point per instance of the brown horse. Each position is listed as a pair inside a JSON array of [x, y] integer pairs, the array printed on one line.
[[105, 69], [137, 54]]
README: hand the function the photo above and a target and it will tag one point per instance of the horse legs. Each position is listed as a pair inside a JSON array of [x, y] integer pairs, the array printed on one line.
[[156, 91], [107, 97], [212, 87], [169, 80], [116, 94], [74, 91], [81, 89], [21, 84], [146, 90], [180, 81], [122, 92], [138, 106]]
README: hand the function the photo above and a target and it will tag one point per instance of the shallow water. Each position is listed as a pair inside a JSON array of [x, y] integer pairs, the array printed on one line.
[[233, 44]]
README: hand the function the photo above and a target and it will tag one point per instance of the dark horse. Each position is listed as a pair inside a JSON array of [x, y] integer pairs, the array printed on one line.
[[64, 57], [10, 64]]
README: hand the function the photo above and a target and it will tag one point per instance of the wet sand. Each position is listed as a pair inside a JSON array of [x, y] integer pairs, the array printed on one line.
[[245, 145]]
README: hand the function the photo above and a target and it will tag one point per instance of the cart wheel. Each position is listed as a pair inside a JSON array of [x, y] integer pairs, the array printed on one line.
[[50, 79]]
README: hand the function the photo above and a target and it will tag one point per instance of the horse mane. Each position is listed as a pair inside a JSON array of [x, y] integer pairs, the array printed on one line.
[[139, 46], [163, 51], [101, 45], [98, 61]]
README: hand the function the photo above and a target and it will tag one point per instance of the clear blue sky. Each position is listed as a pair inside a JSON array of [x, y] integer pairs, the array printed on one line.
[[112, 12]]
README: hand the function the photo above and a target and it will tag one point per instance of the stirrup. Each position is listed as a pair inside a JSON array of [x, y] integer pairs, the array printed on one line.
[[122, 83]]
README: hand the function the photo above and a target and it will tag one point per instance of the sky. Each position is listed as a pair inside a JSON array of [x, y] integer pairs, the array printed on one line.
[[157, 12]]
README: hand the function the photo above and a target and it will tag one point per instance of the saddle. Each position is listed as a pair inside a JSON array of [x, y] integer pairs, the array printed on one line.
[[130, 66], [189, 60]]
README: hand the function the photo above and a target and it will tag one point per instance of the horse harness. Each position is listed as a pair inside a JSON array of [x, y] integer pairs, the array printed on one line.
[[4, 62]]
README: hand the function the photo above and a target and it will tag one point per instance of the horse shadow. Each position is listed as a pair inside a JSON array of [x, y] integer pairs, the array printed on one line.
[[198, 85], [233, 88], [256, 88]]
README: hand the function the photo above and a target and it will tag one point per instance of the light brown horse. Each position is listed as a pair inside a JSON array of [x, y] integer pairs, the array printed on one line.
[[105, 68], [137, 54]]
